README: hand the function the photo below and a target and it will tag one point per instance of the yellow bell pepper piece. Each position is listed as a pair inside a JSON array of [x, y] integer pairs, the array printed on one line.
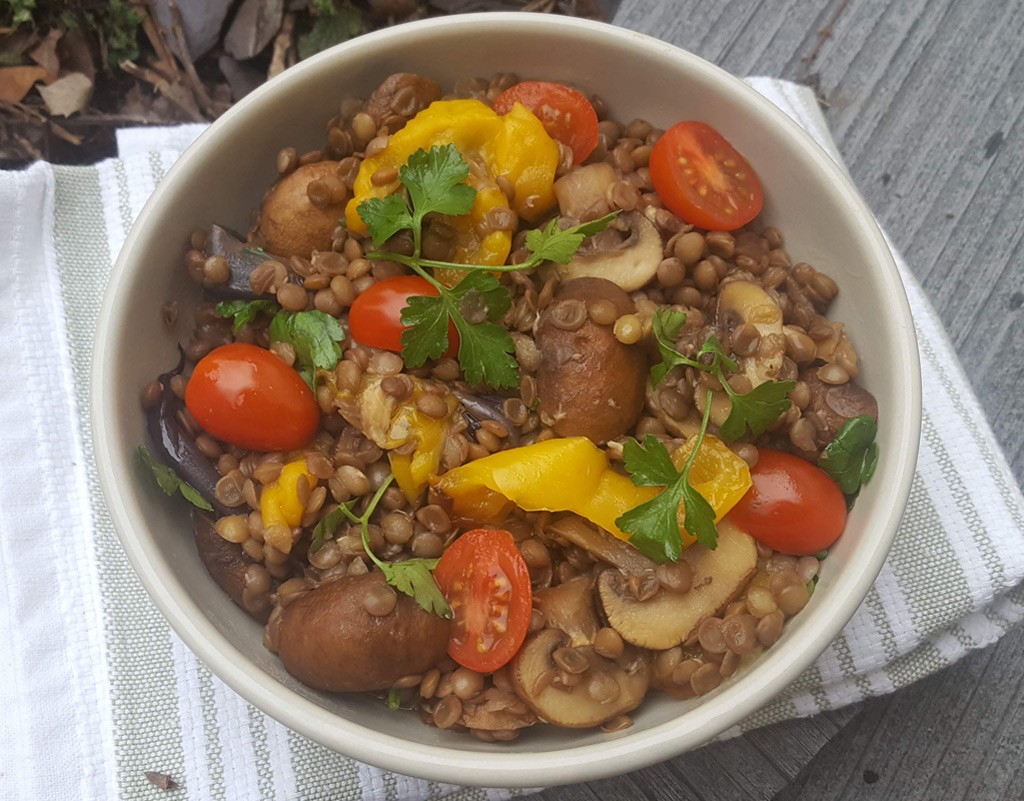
[[280, 504], [408, 424], [573, 475], [515, 146]]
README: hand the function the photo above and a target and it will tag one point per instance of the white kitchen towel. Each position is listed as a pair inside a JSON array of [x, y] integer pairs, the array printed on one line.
[[97, 690]]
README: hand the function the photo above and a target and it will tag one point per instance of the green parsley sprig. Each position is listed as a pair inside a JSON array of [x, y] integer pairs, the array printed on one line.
[[654, 525], [434, 184], [413, 577], [754, 410], [315, 335], [851, 458]]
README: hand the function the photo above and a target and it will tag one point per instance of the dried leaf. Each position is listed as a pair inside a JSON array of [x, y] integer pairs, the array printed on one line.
[[15, 82], [45, 53], [161, 780], [67, 95]]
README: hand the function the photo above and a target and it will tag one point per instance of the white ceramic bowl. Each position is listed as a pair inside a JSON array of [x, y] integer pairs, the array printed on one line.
[[222, 177]]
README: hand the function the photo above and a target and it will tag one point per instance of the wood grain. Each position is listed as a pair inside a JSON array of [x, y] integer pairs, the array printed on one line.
[[925, 100]]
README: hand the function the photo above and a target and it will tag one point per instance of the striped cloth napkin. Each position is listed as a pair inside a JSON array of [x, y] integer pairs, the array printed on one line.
[[97, 690]]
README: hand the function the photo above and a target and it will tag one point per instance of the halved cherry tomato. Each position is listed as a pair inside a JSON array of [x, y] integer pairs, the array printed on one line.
[[375, 318], [793, 506], [566, 114], [246, 396], [703, 179], [487, 584]]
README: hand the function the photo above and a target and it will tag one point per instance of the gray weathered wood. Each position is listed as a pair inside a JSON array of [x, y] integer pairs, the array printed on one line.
[[925, 100]]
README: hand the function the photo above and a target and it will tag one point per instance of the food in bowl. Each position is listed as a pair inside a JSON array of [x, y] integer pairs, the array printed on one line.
[[511, 411]]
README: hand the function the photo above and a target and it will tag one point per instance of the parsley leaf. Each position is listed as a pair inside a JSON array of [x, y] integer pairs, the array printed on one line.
[[314, 335], [427, 334], [666, 325], [434, 179], [385, 217], [754, 410], [412, 577], [851, 458], [170, 482], [654, 524], [245, 311], [325, 529], [556, 244]]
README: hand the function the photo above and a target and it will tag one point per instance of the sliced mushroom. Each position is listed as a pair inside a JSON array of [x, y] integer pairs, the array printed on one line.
[[569, 607], [583, 193], [627, 253], [597, 689], [668, 618], [745, 304], [600, 544]]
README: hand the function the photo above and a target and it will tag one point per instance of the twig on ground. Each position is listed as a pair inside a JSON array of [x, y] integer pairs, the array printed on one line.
[[199, 92], [282, 44], [172, 91]]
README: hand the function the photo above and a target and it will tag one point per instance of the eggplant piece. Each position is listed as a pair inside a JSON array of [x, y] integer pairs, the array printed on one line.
[[175, 447], [477, 408], [242, 260]]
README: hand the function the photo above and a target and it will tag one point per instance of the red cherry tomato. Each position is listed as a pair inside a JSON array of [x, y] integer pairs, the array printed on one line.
[[703, 179], [375, 318], [487, 584], [246, 396], [793, 506], [566, 114]]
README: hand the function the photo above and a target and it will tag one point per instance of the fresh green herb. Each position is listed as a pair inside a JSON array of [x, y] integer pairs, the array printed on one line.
[[434, 183], [171, 483], [255, 251], [325, 529], [485, 348], [850, 459], [413, 577], [655, 523], [245, 311], [394, 699], [820, 555], [754, 410], [314, 335]]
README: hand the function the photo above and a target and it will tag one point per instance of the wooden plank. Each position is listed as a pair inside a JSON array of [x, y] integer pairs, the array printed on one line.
[[924, 98]]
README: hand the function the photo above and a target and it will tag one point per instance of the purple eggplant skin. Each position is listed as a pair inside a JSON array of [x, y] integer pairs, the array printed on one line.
[[174, 446], [242, 259]]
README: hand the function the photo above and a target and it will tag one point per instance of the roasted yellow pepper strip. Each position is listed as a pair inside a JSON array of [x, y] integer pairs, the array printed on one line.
[[409, 424], [280, 505], [514, 146], [573, 475]]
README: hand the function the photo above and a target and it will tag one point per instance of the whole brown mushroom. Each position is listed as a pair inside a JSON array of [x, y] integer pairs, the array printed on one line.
[[290, 223], [589, 383], [334, 638]]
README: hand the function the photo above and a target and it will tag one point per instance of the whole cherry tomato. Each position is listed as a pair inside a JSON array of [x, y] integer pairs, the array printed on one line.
[[566, 114], [375, 317], [487, 584], [792, 507], [246, 396], [703, 179]]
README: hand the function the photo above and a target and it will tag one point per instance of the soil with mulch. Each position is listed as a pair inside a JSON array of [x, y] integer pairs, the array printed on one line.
[[73, 72]]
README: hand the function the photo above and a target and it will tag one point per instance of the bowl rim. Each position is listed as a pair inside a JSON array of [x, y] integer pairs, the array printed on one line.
[[618, 754]]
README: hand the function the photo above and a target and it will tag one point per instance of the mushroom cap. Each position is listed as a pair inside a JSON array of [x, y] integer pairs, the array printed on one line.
[[628, 262], [668, 619]]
